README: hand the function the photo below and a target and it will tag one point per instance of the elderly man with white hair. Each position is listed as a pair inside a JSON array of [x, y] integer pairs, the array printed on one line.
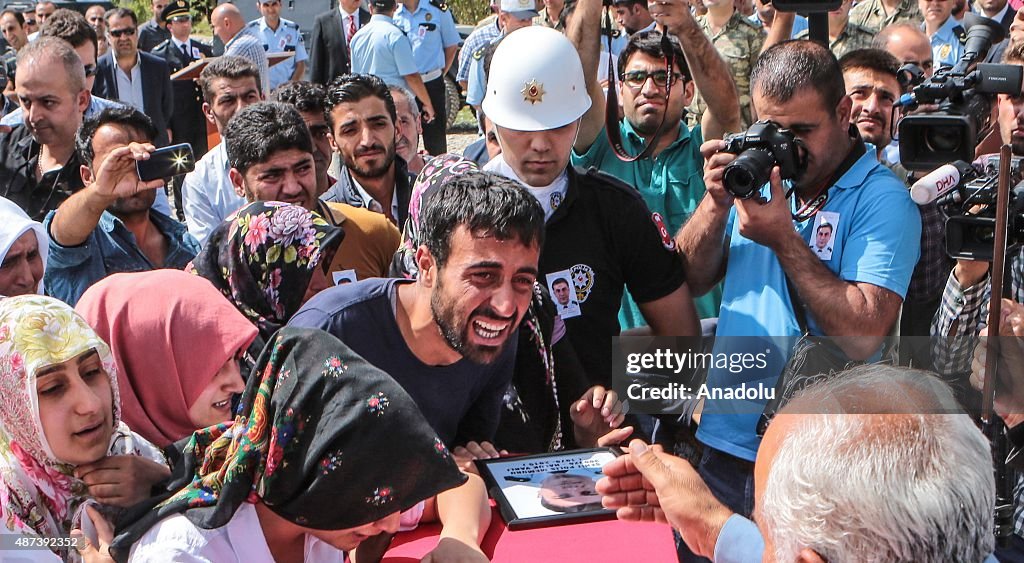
[[875, 464]]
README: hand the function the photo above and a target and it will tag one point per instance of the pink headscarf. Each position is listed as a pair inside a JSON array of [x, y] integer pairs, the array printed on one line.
[[169, 332]]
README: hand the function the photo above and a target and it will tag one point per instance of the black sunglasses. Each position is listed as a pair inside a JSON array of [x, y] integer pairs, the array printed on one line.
[[30, 22], [90, 70], [129, 31]]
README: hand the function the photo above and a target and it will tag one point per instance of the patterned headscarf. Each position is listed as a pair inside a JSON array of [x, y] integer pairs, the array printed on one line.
[[324, 439], [263, 257], [435, 173], [38, 494]]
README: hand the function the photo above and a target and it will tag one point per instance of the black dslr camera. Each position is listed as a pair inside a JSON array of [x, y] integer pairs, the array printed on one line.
[[761, 147]]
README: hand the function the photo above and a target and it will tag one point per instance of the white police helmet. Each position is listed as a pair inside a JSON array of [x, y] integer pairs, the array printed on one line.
[[536, 81]]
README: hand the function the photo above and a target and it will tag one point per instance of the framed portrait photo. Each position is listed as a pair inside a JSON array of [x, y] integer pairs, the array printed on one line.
[[548, 489]]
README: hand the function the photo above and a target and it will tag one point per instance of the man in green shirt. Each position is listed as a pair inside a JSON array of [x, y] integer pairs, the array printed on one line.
[[671, 179]]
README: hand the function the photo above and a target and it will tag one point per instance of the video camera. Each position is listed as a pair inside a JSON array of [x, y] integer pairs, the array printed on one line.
[[762, 146], [967, 196], [964, 94]]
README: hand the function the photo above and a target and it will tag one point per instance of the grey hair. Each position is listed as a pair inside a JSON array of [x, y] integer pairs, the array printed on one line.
[[881, 487], [410, 98], [47, 48]]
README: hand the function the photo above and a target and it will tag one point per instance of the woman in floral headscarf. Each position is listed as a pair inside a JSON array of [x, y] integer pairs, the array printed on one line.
[[326, 452], [61, 437], [268, 259]]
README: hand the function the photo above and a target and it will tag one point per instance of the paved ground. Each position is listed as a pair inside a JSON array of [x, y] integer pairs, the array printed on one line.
[[457, 142]]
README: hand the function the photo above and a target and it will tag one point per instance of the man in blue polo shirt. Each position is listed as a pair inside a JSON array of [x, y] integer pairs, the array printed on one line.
[[431, 28], [943, 31], [280, 36], [670, 179], [763, 248]]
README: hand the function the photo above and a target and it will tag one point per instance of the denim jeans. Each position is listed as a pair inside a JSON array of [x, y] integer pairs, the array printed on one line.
[[731, 479]]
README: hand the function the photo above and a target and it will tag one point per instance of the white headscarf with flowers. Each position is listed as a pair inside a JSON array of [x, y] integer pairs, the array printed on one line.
[[38, 493]]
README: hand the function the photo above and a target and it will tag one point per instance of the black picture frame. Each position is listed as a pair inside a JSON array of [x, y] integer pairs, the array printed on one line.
[[526, 488]]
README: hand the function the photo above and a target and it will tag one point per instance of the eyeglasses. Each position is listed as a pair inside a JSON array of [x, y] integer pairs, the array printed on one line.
[[181, 19], [129, 31], [637, 78], [90, 70], [30, 22]]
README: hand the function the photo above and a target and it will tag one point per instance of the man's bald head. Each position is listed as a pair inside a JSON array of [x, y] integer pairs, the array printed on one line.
[[908, 44], [226, 21]]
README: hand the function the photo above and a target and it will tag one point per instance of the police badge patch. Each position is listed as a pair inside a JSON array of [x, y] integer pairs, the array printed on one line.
[[583, 280]]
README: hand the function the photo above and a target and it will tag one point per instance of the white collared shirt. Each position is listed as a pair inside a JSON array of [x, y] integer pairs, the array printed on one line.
[[372, 204], [129, 86], [998, 17], [549, 197], [344, 22]]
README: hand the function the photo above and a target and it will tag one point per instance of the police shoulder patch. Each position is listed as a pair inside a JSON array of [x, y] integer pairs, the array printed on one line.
[[666, 237], [439, 5], [479, 53]]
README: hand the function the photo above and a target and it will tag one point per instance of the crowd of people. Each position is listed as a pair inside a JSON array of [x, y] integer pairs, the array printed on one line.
[[301, 346]]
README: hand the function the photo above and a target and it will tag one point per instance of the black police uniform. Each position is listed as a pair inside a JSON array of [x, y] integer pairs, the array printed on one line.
[[189, 123], [152, 34], [604, 234]]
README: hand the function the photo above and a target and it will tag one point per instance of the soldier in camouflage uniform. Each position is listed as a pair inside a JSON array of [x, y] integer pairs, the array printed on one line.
[[873, 15], [739, 43], [544, 19], [844, 36]]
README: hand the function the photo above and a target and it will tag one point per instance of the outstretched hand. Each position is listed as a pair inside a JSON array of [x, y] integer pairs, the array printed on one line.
[[116, 176]]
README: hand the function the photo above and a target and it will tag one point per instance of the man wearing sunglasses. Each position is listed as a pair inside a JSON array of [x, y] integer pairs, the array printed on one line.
[[280, 36], [133, 77], [653, 100], [154, 31]]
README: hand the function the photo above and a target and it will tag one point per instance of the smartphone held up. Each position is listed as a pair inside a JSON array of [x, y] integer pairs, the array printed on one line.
[[167, 162]]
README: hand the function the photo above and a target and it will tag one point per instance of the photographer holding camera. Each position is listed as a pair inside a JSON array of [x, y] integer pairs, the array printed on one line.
[[853, 296]]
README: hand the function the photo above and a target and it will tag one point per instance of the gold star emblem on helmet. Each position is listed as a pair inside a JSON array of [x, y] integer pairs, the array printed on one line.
[[533, 92]]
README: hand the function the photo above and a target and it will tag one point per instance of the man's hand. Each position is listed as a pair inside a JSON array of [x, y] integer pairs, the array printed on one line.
[[428, 113], [767, 222], [1009, 400], [595, 412], [122, 480], [464, 455], [714, 170], [451, 550], [651, 486], [672, 15], [116, 176]]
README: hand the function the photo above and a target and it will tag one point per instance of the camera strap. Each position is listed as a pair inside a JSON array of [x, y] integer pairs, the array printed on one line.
[[814, 205], [611, 107]]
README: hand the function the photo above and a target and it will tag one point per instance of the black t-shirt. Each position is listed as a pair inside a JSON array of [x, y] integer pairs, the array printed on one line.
[[19, 157], [462, 401], [605, 236]]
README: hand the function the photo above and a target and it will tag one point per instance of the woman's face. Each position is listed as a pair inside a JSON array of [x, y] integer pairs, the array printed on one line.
[[214, 403], [76, 408], [350, 538], [22, 267]]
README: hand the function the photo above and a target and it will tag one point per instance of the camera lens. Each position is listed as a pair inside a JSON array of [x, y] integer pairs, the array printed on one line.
[[744, 176], [942, 139]]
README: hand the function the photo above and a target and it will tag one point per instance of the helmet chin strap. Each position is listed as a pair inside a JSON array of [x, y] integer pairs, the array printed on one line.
[[611, 108]]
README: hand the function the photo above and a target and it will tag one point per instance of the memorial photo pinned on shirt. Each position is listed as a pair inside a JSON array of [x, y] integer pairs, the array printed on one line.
[[823, 236], [563, 294], [548, 489], [343, 277]]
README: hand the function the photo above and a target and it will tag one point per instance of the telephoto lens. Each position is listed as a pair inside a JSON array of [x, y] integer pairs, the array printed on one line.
[[752, 169]]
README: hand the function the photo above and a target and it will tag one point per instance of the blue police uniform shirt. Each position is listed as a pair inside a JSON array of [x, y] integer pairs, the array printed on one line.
[[946, 46], [381, 49], [476, 86], [431, 30], [287, 39], [799, 24], [877, 240]]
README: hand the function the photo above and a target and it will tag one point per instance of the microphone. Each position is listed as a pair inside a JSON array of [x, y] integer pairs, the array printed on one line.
[[941, 181]]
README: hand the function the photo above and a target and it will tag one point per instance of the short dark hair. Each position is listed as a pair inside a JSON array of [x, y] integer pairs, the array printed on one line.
[[487, 204], [258, 131], [877, 60], [121, 13], [70, 26], [18, 16], [630, 3], [302, 95], [826, 226], [649, 43], [125, 116], [792, 66], [229, 67], [351, 88], [558, 281]]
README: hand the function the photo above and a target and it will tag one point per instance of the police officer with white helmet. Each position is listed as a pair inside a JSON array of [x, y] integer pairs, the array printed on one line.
[[600, 235]]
